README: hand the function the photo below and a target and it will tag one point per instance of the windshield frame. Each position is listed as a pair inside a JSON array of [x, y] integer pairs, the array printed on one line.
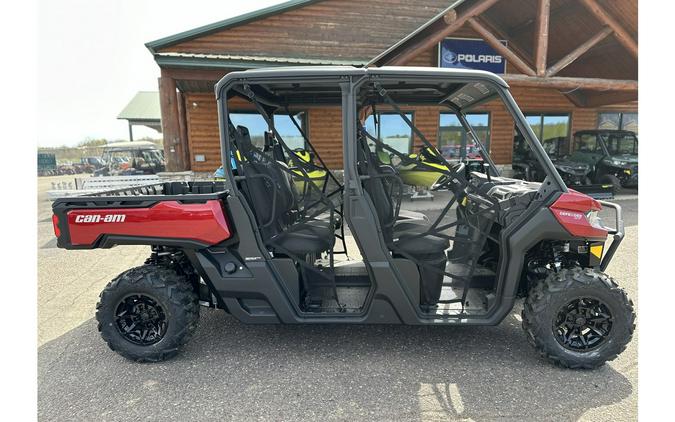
[[605, 137]]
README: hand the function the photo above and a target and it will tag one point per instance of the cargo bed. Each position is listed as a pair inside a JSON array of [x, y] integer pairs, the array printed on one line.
[[187, 214]]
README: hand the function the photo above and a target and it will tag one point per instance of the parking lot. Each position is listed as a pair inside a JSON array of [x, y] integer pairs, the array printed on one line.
[[231, 371]]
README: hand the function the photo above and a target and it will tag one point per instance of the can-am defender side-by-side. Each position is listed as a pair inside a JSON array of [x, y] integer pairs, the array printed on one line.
[[612, 154], [575, 173], [270, 245]]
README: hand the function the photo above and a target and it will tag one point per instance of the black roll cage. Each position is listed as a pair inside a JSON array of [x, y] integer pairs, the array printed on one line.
[[350, 78]]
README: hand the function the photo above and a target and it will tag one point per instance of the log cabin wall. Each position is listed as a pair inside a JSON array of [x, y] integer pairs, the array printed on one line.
[[356, 30]]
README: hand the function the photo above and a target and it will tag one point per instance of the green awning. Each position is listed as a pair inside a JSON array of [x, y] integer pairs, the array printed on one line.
[[144, 110], [144, 106]]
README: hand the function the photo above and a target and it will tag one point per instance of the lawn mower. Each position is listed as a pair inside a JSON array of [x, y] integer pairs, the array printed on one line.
[[255, 247]]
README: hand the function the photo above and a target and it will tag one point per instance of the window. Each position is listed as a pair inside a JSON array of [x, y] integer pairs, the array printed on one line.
[[392, 131], [586, 143], [451, 134], [547, 126], [257, 127], [620, 144], [623, 121]]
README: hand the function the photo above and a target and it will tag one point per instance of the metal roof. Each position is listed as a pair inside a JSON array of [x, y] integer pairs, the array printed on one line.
[[153, 46], [130, 145], [143, 107], [241, 61]]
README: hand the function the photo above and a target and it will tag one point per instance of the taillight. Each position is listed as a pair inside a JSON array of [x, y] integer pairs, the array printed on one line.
[[55, 222]]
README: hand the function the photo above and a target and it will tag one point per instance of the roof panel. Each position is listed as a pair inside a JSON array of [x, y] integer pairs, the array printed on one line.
[[144, 106]]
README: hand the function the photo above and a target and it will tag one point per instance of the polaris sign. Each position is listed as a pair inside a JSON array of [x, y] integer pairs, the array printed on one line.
[[467, 53]]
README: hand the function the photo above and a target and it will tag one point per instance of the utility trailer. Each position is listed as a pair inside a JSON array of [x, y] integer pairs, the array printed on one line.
[[261, 243]]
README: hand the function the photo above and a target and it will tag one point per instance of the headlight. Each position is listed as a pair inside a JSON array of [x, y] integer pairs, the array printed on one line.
[[619, 163], [594, 220]]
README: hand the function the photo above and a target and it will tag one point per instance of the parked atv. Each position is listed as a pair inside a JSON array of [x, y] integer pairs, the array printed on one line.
[[612, 154], [131, 158], [575, 174], [255, 247]]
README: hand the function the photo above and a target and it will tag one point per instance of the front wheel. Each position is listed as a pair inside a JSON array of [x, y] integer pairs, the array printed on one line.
[[610, 179], [147, 313], [578, 318]]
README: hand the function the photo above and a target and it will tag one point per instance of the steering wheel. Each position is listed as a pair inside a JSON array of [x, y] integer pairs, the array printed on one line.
[[447, 181], [458, 167]]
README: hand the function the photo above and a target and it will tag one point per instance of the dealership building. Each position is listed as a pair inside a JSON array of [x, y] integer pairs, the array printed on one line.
[[571, 65]]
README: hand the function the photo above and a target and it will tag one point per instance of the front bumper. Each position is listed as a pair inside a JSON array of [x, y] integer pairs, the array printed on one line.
[[629, 181], [617, 232]]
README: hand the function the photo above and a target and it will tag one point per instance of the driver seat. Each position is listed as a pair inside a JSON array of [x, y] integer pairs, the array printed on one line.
[[403, 235]]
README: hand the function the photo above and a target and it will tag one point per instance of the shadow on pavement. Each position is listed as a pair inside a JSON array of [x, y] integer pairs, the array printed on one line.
[[232, 371]]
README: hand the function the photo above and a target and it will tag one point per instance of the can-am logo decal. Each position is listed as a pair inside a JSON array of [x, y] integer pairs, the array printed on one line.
[[97, 218], [470, 53]]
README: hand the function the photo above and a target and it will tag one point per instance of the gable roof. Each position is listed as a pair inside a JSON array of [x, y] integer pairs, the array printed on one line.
[[339, 32], [155, 45], [144, 107]]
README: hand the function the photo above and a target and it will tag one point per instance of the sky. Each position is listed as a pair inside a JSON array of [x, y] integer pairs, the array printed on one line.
[[92, 59]]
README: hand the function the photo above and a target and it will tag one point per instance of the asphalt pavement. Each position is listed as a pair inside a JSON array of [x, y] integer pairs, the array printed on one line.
[[232, 371]]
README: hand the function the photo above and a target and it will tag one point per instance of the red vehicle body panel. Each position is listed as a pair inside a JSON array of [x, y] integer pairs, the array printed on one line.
[[570, 210], [204, 222]]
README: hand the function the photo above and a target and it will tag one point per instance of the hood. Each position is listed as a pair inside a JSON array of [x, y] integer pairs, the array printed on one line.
[[629, 158], [569, 166]]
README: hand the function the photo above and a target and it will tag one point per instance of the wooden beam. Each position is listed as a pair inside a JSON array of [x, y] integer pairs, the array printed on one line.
[[427, 42], [564, 8], [541, 36], [577, 52], [619, 32], [524, 54], [173, 147], [489, 38], [450, 17], [183, 126], [571, 83]]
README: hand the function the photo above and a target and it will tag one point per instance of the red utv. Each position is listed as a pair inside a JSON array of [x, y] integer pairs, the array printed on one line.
[[262, 247]]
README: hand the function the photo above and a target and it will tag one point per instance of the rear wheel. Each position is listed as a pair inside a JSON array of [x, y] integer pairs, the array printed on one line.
[[614, 181], [578, 318], [147, 313]]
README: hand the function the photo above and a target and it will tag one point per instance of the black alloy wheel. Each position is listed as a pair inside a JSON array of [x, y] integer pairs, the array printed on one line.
[[583, 324], [140, 319]]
